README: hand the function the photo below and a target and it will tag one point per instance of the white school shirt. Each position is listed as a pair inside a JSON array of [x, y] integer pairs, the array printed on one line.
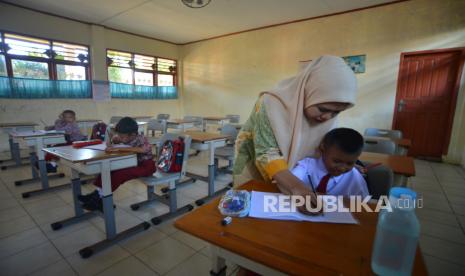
[[346, 184]]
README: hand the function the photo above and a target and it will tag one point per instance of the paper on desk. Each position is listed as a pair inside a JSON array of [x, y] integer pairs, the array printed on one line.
[[30, 133], [103, 146], [257, 210]]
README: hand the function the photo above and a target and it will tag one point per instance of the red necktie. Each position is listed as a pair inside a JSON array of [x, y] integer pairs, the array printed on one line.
[[323, 184]]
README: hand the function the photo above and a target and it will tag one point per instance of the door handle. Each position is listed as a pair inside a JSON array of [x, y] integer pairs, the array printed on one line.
[[401, 105]]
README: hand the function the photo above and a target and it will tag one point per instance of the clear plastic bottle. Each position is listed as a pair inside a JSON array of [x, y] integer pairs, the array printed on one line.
[[396, 235]]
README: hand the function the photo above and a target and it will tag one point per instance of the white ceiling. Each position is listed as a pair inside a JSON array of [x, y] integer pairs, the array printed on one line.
[[170, 20]]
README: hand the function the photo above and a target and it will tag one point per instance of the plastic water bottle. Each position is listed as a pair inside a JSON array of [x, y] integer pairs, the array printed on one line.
[[396, 235]]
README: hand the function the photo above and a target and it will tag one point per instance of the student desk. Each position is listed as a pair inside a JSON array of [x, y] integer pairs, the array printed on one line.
[[205, 141], [179, 124], [272, 247], [87, 125], [89, 162], [214, 120], [37, 141], [403, 144], [14, 147], [402, 166]]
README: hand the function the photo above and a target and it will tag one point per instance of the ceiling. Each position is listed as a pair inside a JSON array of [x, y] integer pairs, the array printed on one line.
[[172, 21]]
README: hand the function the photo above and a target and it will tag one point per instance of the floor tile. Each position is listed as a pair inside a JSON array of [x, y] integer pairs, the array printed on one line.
[[123, 221], [142, 240], [7, 203], [440, 267], [442, 249], [129, 266], [12, 213], [445, 232], [437, 216], [53, 215], [16, 225], [98, 262], [21, 241], [60, 268], [165, 255], [458, 209], [44, 205], [197, 264], [29, 260], [73, 242], [189, 240]]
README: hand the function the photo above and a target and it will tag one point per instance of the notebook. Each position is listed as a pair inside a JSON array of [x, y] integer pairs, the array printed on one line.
[[258, 210]]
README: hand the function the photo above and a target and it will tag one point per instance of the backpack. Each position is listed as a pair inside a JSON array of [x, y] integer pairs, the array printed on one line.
[[171, 156], [98, 131]]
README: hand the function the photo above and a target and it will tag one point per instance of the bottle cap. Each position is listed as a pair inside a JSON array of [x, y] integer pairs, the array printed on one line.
[[400, 192]]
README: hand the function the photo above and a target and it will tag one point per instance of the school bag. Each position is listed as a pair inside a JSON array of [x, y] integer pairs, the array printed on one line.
[[171, 156], [98, 131]]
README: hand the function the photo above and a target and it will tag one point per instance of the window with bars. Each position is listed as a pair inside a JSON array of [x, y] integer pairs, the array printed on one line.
[[28, 57], [136, 69]]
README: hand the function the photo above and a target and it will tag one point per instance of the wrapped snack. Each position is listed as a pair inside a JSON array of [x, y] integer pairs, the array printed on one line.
[[235, 203]]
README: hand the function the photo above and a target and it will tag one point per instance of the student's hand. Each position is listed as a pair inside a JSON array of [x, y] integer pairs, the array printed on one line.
[[309, 195], [291, 185], [111, 150]]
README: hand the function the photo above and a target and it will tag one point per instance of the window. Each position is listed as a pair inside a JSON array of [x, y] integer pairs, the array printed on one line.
[[35, 58], [130, 68]]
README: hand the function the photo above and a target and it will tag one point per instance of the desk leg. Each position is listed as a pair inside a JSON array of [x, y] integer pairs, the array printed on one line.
[[15, 155], [15, 152], [33, 160], [218, 263], [79, 214], [109, 217], [211, 177]]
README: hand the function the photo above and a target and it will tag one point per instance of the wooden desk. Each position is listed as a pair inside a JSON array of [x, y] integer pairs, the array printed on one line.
[[37, 141], [297, 248], [89, 162], [182, 124], [205, 141], [214, 120], [402, 165], [14, 147]]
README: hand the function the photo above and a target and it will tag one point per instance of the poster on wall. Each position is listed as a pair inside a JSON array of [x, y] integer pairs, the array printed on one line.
[[101, 91], [356, 63]]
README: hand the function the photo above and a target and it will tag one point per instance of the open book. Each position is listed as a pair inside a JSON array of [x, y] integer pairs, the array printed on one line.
[[103, 146], [265, 205]]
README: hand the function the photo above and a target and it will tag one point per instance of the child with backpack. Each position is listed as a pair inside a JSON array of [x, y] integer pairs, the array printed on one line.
[[126, 134]]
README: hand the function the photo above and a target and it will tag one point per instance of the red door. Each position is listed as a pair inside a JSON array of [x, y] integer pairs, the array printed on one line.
[[427, 90]]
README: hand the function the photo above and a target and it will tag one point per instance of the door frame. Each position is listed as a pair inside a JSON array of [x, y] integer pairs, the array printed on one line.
[[455, 90]]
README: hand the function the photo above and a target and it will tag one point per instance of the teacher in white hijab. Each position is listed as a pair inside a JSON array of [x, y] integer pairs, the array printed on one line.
[[289, 121]]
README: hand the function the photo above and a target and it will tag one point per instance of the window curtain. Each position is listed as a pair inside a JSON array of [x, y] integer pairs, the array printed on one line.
[[129, 91], [39, 89]]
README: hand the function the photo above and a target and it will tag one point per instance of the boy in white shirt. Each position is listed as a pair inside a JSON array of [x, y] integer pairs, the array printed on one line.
[[334, 173]]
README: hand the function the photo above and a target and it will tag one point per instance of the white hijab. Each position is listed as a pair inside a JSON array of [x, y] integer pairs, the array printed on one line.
[[326, 79]]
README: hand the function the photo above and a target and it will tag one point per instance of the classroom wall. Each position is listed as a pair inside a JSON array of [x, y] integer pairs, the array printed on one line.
[[98, 38], [226, 74]]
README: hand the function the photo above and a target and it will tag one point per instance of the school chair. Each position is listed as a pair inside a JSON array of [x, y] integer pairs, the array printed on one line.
[[233, 119], [226, 152], [379, 180], [172, 179], [196, 120], [115, 119], [380, 146], [163, 116], [391, 134]]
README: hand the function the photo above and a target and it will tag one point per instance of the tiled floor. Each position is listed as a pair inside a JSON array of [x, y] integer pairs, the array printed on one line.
[[28, 245]]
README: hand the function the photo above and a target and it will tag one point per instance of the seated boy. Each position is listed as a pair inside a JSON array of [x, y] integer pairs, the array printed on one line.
[[334, 173], [126, 134]]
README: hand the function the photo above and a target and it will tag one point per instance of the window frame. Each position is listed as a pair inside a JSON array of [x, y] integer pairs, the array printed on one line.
[[51, 62], [154, 72]]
